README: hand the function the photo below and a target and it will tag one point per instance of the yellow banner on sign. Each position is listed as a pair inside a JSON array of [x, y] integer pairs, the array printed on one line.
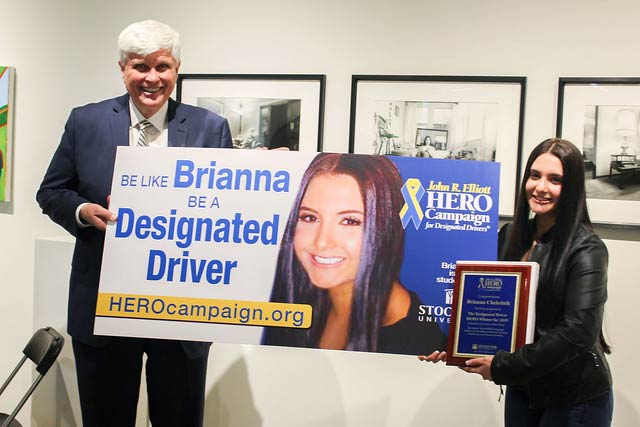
[[233, 312]]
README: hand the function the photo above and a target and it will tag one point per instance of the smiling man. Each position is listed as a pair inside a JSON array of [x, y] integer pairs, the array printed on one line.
[[75, 193]]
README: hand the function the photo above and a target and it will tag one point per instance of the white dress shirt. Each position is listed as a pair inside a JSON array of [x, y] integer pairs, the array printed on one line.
[[155, 136]]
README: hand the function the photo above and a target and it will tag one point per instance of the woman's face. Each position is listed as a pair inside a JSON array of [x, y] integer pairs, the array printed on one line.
[[544, 185], [328, 236]]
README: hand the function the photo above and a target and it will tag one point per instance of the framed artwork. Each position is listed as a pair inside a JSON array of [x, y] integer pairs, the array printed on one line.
[[445, 117], [435, 138], [601, 117], [263, 110], [6, 131]]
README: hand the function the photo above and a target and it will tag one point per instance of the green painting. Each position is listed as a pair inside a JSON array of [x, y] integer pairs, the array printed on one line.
[[6, 113]]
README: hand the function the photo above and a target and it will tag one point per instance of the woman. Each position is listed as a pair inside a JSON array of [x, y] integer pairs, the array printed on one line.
[[424, 147], [562, 378], [341, 253]]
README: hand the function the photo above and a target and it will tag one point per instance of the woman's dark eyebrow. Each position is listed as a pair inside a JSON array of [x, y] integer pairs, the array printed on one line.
[[554, 175], [351, 211], [306, 208], [348, 211]]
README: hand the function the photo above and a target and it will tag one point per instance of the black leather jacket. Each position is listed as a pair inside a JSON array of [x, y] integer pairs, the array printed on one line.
[[565, 364]]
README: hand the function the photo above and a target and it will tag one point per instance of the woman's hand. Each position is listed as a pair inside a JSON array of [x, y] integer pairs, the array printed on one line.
[[479, 365], [435, 357]]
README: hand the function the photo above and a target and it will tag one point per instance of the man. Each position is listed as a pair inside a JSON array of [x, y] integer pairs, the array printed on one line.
[[75, 194]]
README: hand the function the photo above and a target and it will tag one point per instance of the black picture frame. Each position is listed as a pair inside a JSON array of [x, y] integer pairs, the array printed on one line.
[[493, 107], [601, 116], [283, 110]]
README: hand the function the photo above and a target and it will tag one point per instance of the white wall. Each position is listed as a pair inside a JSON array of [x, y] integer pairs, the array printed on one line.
[[64, 54]]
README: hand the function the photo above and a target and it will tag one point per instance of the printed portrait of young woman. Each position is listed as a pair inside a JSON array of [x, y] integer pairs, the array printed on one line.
[[341, 253]]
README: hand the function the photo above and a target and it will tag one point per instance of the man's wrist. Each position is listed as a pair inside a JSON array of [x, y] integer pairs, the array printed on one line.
[[79, 221]]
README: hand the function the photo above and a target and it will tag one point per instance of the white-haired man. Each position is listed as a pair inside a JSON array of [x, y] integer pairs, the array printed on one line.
[[75, 192]]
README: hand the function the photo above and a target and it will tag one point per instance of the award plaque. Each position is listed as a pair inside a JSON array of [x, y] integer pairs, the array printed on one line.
[[493, 308]]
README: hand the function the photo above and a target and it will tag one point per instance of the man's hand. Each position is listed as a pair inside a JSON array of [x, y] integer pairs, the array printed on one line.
[[480, 366], [96, 215]]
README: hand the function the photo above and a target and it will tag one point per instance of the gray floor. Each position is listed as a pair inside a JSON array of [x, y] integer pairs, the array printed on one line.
[[605, 188]]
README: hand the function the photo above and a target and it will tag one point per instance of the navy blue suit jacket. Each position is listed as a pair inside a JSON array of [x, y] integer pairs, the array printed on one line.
[[81, 171]]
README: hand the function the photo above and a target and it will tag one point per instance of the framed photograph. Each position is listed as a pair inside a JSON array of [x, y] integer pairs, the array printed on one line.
[[601, 117], [7, 76], [444, 117], [263, 110]]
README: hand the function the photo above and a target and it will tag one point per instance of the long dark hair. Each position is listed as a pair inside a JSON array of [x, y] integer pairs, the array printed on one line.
[[380, 259], [572, 204], [571, 212]]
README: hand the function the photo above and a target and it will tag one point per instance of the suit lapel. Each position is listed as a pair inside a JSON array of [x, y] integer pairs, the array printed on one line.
[[178, 129], [120, 121]]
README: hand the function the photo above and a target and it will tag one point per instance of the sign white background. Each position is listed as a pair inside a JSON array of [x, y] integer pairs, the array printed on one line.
[[124, 266]]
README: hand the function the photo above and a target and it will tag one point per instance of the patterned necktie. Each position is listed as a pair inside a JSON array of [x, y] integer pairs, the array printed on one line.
[[142, 128]]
